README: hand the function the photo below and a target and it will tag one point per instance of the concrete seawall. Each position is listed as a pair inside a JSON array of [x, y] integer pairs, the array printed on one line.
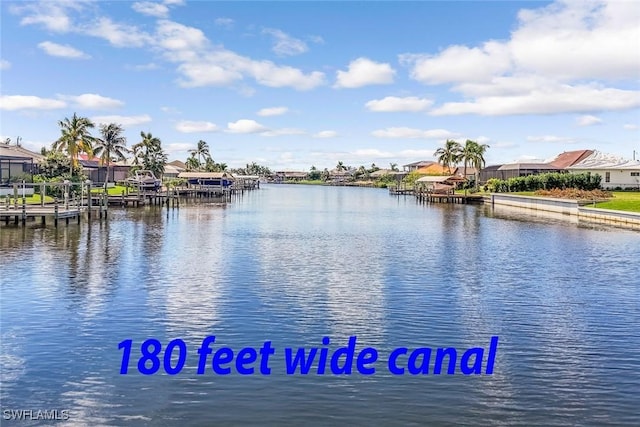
[[567, 207]]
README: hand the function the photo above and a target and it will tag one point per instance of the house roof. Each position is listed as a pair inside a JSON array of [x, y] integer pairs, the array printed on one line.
[[528, 166], [380, 172], [437, 169], [441, 178], [204, 175], [178, 164], [8, 150], [598, 160], [569, 158], [419, 164]]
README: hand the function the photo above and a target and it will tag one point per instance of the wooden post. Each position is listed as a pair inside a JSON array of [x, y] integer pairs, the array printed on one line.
[[89, 198], [55, 213], [43, 192], [24, 209]]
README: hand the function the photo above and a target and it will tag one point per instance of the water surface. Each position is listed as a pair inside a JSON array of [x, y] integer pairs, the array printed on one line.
[[292, 264]]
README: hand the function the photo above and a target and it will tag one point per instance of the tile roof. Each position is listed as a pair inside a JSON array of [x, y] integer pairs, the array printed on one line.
[[570, 158], [599, 160]]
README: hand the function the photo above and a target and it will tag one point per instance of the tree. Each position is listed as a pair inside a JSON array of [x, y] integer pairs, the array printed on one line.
[[449, 154], [150, 155], [477, 161], [192, 163], [340, 166], [111, 142], [75, 139], [202, 150], [394, 167]]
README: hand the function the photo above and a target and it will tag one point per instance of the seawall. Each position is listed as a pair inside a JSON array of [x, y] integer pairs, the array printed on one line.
[[568, 207]]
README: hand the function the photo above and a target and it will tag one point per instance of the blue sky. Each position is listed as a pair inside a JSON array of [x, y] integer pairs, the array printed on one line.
[[296, 84]]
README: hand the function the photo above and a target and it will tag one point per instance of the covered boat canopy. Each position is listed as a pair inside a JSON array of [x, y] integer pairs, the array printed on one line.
[[441, 179], [204, 175]]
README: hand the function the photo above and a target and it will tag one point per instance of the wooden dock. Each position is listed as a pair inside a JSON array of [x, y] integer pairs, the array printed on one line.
[[431, 197], [48, 213]]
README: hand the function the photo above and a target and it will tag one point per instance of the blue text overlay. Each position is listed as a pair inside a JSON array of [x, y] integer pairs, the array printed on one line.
[[151, 357]]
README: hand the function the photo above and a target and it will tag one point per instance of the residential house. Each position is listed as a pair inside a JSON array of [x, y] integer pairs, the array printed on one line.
[[616, 172], [417, 165], [16, 162]]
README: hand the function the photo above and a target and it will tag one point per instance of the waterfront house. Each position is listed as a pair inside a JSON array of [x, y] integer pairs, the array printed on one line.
[[436, 169], [417, 165], [616, 172], [173, 169], [96, 171], [17, 162], [284, 176], [570, 158], [525, 168]]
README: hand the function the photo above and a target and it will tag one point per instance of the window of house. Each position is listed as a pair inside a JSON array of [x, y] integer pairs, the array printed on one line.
[[607, 177], [635, 173]]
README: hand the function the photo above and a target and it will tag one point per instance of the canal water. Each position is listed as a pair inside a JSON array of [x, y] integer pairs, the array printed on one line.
[[291, 265]]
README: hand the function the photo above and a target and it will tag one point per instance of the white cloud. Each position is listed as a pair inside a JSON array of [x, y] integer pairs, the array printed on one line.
[[630, 126], [373, 153], [224, 22], [316, 39], [283, 131], [551, 63], [284, 44], [143, 67], [92, 101], [459, 64], [62, 51], [53, 16], [410, 133], [27, 102], [415, 154], [122, 120], [174, 2], [364, 72], [245, 126], [551, 138], [187, 126], [169, 110], [588, 120], [4, 64], [393, 103], [177, 148], [202, 64], [273, 111], [177, 37], [119, 35], [326, 134], [548, 98], [579, 40], [157, 10]]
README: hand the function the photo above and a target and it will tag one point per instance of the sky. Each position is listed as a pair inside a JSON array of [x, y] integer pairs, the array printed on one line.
[[292, 85]]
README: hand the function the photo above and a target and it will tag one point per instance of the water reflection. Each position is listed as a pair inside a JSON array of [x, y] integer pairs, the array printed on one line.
[[292, 264]]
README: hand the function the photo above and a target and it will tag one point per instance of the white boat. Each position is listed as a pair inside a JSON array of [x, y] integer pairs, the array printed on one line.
[[145, 180]]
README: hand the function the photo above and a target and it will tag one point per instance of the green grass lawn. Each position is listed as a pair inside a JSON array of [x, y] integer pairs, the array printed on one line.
[[622, 201], [113, 191], [30, 200]]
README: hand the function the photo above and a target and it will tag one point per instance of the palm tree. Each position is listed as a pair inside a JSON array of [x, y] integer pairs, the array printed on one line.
[[340, 166], [202, 150], [75, 139], [449, 154], [149, 151], [192, 163], [477, 161], [467, 153], [394, 167], [111, 142]]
